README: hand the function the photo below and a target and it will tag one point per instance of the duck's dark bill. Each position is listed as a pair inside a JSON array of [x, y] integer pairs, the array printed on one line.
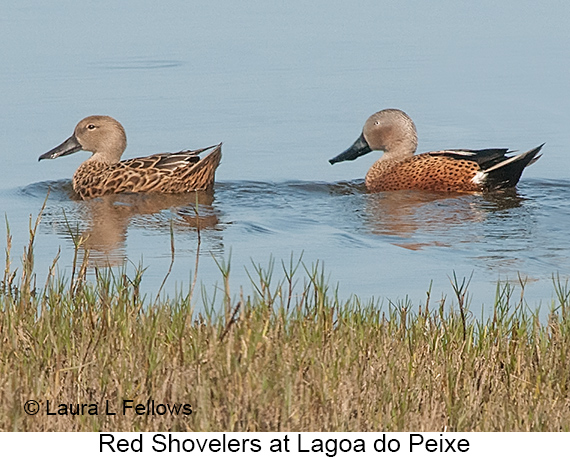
[[359, 148], [69, 146]]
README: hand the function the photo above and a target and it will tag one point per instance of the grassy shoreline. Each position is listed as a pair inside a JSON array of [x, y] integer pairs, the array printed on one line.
[[289, 356]]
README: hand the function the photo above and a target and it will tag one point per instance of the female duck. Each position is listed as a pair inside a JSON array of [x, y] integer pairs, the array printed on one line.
[[452, 170], [105, 173]]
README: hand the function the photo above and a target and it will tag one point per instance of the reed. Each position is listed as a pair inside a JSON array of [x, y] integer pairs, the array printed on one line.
[[289, 355]]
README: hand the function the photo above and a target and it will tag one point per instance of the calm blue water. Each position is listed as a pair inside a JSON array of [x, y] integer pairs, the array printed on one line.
[[286, 86]]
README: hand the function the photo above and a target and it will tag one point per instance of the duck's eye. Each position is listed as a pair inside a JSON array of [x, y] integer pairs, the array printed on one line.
[[91, 127]]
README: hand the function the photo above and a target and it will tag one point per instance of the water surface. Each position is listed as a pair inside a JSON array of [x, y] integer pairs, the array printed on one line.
[[287, 86]]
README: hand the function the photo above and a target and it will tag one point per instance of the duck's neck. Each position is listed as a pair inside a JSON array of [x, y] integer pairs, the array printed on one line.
[[105, 158], [400, 149]]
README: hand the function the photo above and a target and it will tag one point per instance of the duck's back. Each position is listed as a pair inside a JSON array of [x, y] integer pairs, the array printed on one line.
[[163, 173]]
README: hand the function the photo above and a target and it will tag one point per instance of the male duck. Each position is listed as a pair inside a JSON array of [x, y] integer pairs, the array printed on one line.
[[104, 172], [452, 170]]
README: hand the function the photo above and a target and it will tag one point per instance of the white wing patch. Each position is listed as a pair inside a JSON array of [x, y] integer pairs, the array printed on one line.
[[461, 153], [452, 152], [479, 178]]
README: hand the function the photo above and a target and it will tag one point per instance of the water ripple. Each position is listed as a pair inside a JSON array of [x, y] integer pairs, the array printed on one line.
[[392, 234], [140, 64]]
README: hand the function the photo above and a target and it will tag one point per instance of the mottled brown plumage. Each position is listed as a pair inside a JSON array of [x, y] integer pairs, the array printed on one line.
[[104, 172], [454, 170]]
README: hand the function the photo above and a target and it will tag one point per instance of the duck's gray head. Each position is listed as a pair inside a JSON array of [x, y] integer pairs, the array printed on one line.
[[102, 135], [389, 130]]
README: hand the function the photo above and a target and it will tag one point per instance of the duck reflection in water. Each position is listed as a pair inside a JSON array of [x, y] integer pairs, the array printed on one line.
[[102, 223], [417, 219]]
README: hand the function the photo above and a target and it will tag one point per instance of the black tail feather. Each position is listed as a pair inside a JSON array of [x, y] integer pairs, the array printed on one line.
[[507, 173]]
